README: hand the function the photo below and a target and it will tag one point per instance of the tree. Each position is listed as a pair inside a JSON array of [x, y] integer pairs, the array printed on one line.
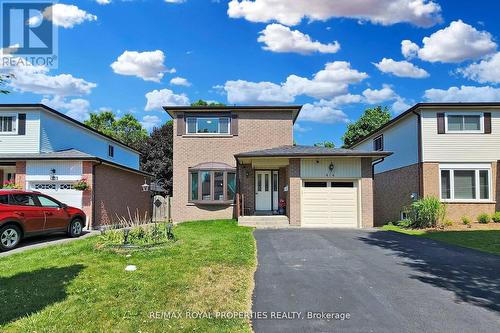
[[372, 119], [157, 153], [126, 129], [326, 144], [201, 102], [3, 80]]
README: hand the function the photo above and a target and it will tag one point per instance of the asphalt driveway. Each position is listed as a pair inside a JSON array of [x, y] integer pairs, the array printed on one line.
[[384, 281]]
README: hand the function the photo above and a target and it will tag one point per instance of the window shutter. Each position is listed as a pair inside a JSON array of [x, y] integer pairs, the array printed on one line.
[[234, 124], [181, 125], [487, 123], [440, 123], [21, 123]]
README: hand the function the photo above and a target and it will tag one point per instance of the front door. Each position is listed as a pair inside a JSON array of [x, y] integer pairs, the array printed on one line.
[[263, 190]]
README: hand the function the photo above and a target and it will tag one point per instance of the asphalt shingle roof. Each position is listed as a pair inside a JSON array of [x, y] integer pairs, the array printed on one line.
[[63, 154], [297, 150]]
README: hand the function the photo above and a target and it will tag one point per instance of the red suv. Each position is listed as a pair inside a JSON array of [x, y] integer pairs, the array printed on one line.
[[24, 214]]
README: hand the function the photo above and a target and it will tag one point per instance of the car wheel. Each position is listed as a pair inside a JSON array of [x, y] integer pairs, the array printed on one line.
[[75, 228], [10, 236]]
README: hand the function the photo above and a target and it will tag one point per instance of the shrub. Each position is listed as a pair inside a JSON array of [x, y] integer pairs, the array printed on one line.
[[404, 223], [496, 217], [483, 218], [427, 212], [466, 220], [448, 223]]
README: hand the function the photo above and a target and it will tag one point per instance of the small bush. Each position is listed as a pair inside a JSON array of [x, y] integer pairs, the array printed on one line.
[[496, 217], [404, 223], [448, 223], [427, 212], [466, 220], [483, 218]]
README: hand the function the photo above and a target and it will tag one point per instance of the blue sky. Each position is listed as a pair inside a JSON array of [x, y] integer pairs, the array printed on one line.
[[132, 56]]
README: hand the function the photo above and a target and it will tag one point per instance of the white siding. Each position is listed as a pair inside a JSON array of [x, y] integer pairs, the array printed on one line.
[[60, 134], [453, 147], [401, 139], [28, 143], [319, 168]]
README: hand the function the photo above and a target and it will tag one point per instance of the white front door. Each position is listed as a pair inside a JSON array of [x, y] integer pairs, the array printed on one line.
[[263, 190]]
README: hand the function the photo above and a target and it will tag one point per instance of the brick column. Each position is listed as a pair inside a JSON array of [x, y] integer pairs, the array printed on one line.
[[87, 173], [430, 179], [21, 174], [366, 184], [294, 185]]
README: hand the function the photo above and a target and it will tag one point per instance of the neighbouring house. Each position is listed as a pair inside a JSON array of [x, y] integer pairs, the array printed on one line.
[[240, 161], [447, 150], [44, 150]]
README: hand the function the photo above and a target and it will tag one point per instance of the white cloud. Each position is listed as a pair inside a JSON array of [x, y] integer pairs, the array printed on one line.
[[329, 82], [278, 38], [158, 98], [150, 122], [323, 113], [418, 12], [374, 96], [148, 66], [400, 105], [103, 2], [180, 81], [463, 94], [409, 49], [401, 68], [66, 16], [35, 79], [456, 43], [300, 129], [175, 1], [77, 108], [485, 71]]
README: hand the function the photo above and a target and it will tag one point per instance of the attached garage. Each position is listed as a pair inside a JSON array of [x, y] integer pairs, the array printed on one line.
[[330, 204], [62, 191]]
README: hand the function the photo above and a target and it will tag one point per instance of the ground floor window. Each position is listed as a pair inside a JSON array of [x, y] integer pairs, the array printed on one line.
[[212, 185], [465, 183]]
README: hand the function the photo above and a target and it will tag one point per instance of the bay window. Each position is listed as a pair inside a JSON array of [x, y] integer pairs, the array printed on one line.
[[465, 183], [207, 125], [212, 186]]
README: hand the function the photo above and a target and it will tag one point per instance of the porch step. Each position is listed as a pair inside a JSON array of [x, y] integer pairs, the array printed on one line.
[[271, 221]]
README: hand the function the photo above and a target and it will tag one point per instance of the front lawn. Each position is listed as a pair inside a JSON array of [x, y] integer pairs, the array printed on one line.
[[75, 287], [482, 240]]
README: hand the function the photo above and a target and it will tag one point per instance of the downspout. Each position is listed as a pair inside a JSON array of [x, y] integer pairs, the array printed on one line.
[[238, 194], [380, 160], [419, 152]]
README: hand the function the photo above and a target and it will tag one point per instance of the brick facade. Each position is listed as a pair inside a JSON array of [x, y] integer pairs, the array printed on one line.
[[256, 130], [87, 173], [21, 173], [366, 193], [294, 189], [392, 191]]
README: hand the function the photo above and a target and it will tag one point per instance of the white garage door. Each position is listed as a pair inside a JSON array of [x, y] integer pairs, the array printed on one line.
[[62, 191], [330, 204]]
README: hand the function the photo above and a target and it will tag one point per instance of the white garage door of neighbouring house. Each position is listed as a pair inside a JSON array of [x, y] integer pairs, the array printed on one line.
[[62, 191], [330, 204]]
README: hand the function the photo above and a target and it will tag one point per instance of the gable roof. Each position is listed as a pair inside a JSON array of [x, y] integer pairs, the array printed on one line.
[[65, 117], [302, 151], [227, 108], [423, 106]]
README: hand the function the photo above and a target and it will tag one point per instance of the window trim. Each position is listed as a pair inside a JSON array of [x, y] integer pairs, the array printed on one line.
[[381, 137], [212, 200], [111, 151], [481, 122], [16, 123], [466, 167], [208, 117]]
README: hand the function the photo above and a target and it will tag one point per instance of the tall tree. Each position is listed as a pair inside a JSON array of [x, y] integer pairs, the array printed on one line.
[[126, 129], [372, 119], [326, 144], [201, 102], [157, 151]]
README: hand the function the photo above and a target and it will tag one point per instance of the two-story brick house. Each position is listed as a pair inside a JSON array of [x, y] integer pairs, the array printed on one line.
[[222, 153], [44, 150], [447, 150]]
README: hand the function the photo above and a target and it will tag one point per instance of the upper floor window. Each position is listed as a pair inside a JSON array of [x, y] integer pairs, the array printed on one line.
[[378, 143], [207, 125], [464, 123], [111, 151], [8, 124]]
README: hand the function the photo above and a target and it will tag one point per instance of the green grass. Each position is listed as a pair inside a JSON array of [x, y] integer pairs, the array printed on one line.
[[77, 288], [482, 240]]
